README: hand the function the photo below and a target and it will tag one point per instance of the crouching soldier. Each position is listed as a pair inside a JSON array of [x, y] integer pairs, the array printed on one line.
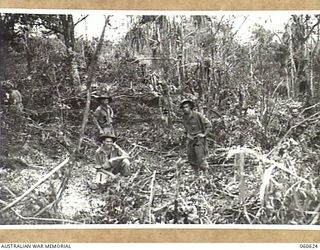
[[197, 127], [110, 159]]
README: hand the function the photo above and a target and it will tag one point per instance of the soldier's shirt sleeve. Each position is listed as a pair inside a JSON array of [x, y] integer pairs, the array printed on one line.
[[184, 123], [96, 112], [111, 112], [120, 151], [16, 96], [99, 158], [205, 121]]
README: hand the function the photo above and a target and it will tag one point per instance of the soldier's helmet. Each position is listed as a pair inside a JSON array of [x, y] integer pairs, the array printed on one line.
[[107, 135], [103, 96], [187, 101]]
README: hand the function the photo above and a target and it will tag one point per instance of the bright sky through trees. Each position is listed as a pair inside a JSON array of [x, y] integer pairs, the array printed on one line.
[[244, 21]]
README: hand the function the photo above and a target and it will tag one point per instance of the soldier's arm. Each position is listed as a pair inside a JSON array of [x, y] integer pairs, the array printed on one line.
[[187, 134], [206, 124], [110, 111], [160, 106], [16, 97], [95, 120], [101, 162], [98, 159], [124, 154]]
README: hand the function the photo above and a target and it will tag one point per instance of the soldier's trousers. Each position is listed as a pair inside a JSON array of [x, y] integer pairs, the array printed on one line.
[[122, 167], [197, 152]]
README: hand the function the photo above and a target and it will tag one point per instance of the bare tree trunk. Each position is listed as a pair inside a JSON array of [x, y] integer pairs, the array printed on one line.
[[159, 39], [68, 34], [178, 73], [210, 82], [293, 67], [28, 53], [181, 56], [315, 50], [92, 65], [288, 83], [311, 77], [251, 66]]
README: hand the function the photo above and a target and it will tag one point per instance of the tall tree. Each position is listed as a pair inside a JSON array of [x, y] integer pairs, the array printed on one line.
[[300, 38], [63, 26]]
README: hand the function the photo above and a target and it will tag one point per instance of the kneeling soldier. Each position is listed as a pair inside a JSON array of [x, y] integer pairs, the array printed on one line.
[[110, 159]]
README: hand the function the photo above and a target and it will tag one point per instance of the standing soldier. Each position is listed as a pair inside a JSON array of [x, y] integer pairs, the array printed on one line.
[[103, 115], [197, 127], [11, 96], [165, 106], [16, 100], [295, 119]]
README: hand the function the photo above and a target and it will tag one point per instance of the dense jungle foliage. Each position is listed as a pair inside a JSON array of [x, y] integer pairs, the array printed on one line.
[[262, 97]]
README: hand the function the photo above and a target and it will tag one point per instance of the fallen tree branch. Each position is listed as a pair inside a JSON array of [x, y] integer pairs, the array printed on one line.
[[310, 107], [262, 158], [222, 165], [107, 173], [178, 166], [133, 177], [152, 184], [148, 149], [162, 208], [10, 192], [155, 58], [58, 195], [315, 218], [207, 204], [291, 128], [45, 208], [246, 214], [36, 185], [41, 219], [227, 193], [44, 219]]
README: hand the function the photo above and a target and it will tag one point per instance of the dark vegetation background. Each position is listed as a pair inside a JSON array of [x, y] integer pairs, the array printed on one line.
[[261, 96]]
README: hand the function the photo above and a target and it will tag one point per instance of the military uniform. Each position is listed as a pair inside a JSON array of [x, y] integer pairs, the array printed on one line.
[[121, 166], [104, 115], [197, 149], [17, 100], [110, 158], [195, 123]]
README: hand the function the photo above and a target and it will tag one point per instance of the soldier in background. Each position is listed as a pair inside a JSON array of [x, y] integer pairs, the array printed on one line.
[[165, 105], [11, 97], [103, 115], [16, 100], [294, 121]]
